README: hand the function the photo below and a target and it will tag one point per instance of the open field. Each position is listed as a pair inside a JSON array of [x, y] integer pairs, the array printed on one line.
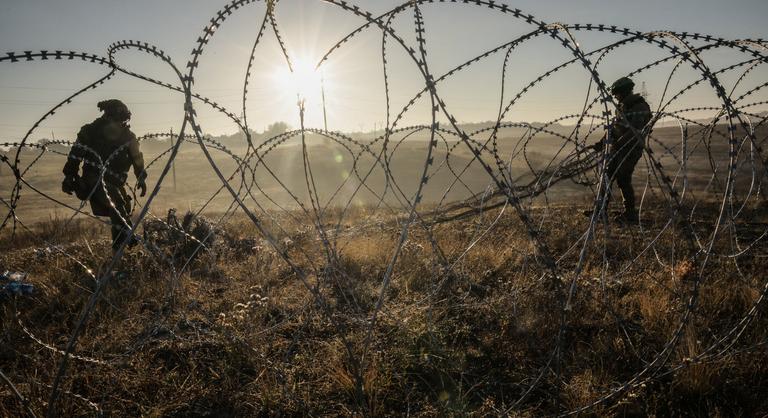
[[471, 320], [239, 334], [344, 173]]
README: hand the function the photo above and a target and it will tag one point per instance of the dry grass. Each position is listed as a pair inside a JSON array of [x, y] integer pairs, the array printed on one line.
[[239, 334]]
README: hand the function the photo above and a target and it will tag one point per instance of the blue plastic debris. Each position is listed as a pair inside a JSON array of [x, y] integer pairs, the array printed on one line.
[[12, 284], [17, 288]]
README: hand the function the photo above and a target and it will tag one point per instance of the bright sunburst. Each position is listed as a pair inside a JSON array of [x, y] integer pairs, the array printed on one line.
[[305, 82]]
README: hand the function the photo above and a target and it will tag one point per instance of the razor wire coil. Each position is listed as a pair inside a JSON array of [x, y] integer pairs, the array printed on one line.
[[505, 191]]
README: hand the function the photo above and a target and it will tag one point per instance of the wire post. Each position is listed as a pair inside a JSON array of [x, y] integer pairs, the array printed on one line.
[[173, 163], [322, 95]]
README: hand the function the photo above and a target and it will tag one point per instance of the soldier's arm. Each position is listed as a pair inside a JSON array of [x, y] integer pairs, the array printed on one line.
[[600, 145], [76, 153], [137, 159], [622, 124]]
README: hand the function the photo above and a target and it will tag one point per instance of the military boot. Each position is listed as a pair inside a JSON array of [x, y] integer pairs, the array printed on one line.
[[627, 217], [120, 234]]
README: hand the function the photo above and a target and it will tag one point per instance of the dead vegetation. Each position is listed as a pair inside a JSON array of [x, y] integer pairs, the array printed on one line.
[[237, 333]]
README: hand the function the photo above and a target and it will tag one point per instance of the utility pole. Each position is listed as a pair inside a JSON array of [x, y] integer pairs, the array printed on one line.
[[173, 164], [322, 94]]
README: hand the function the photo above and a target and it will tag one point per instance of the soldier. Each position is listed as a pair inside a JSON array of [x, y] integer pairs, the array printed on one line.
[[627, 132], [107, 140]]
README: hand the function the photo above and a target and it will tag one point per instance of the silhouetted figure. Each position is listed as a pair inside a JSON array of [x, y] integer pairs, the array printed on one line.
[[107, 141], [627, 132]]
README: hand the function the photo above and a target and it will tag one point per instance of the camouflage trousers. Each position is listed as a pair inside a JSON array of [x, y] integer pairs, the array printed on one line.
[[119, 211], [620, 169]]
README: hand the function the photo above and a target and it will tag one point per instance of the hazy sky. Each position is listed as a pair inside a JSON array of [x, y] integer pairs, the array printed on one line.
[[353, 77]]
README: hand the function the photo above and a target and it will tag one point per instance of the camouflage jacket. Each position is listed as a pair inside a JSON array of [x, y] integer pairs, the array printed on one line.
[[633, 113], [96, 143]]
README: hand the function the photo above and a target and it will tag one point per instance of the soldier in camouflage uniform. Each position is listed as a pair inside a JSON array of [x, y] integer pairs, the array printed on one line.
[[108, 140], [628, 134]]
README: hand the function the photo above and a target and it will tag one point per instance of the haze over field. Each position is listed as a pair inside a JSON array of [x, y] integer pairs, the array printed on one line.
[[338, 169]]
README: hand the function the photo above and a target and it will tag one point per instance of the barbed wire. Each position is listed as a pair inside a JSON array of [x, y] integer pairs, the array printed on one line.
[[523, 195]]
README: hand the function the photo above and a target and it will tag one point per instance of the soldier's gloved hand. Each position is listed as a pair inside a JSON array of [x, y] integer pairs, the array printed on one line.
[[69, 184], [142, 186]]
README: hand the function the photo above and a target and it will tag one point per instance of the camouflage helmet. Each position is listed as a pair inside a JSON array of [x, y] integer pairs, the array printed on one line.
[[624, 84], [115, 108]]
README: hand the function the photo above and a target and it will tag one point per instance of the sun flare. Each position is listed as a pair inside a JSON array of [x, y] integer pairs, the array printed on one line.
[[305, 82]]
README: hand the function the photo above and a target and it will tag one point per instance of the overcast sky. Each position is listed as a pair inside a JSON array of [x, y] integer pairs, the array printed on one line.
[[353, 76]]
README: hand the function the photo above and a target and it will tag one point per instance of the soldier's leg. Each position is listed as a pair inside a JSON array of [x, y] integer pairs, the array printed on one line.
[[100, 206], [613, 168], [624, 181], [119, 215]]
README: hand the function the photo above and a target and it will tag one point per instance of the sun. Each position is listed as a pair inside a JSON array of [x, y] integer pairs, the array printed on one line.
[[305, 82]]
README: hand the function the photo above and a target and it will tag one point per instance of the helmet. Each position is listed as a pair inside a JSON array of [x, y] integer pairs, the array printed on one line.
[[624, 84], [115, 108]]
